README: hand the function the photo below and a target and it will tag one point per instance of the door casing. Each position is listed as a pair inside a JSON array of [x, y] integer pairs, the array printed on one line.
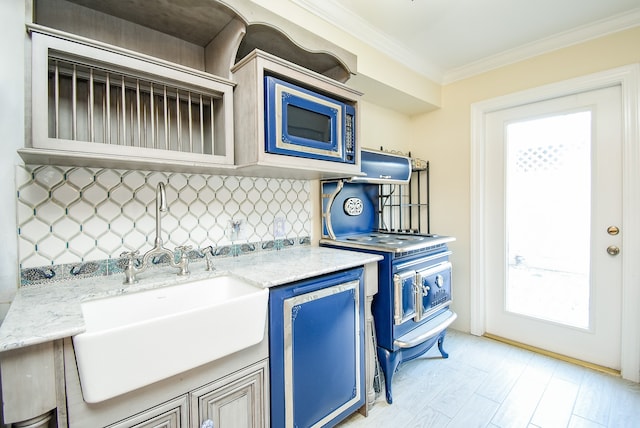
[[628, 77]]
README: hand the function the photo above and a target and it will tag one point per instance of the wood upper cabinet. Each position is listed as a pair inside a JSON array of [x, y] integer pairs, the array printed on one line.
[[249, 118], [152, 88], [96, 103]]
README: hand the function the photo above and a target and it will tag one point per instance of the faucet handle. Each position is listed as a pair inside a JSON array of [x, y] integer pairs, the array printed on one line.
[[207, 252], [183, 264], [130, 268], [183, 249], [130, 255]]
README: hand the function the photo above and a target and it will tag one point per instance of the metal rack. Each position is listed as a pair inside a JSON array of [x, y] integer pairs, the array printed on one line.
[[405, 207], [95, 104]]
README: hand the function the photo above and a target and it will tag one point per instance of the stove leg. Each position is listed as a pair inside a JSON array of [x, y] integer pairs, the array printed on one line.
[[389, 362], [440, 345]]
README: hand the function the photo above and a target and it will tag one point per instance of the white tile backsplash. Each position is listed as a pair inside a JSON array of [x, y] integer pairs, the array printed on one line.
[[70, 214]]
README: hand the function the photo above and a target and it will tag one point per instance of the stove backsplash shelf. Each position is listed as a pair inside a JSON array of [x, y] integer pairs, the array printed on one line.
[[391, 196], [405, 207]]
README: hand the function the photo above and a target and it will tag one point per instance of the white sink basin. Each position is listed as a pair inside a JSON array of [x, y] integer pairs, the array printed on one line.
[[133, 340]]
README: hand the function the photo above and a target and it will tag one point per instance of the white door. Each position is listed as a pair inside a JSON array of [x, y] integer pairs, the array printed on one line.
[[553, 197]]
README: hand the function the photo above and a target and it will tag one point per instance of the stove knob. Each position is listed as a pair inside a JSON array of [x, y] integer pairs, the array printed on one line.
[[439, 280]]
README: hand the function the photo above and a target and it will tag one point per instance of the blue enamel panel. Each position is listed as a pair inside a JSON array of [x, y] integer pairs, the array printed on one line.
[[322, 377], [351, 224], [316, 345], [376, 165]]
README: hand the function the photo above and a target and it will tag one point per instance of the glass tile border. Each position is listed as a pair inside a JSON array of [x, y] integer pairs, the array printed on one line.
[[56, 274]]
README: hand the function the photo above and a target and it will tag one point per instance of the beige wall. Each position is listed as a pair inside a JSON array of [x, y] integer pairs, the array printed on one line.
[[443, 136], [380, 126]]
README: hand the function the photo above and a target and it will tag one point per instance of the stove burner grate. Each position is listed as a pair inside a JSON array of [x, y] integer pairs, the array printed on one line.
[[359, 238]]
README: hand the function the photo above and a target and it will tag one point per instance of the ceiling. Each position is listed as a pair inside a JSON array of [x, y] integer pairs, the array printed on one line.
[[447, 40]]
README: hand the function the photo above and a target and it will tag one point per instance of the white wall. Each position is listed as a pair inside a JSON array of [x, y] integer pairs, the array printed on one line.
[[12, 70]]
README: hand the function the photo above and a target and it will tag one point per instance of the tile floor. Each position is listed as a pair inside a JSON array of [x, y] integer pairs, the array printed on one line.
[[485, 383]]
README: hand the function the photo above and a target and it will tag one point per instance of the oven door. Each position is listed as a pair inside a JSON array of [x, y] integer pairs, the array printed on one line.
[[433, 290], [404, 288]]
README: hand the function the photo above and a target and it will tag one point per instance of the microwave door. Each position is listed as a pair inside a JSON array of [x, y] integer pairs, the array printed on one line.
[[302, 123]]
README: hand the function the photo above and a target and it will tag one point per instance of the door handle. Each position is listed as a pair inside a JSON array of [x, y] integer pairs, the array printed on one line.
[[613, 250]]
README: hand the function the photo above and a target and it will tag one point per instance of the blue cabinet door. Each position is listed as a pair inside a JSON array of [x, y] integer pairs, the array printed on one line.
[[317, 350]]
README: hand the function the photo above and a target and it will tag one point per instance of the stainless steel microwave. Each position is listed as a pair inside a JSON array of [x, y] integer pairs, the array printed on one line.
[[303, 123]]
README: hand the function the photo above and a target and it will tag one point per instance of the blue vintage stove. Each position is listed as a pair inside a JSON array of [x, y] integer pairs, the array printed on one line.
[[412, 307]]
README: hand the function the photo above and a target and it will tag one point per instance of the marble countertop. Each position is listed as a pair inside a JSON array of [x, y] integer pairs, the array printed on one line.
[[42, 313]]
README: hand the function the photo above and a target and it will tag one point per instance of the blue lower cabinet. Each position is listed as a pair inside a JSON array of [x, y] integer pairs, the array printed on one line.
[[317, 350]]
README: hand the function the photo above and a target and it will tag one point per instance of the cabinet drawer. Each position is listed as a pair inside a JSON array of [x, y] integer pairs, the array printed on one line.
[[172, 414]]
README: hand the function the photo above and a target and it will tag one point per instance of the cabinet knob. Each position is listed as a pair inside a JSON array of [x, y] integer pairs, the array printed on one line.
[[207, 424]]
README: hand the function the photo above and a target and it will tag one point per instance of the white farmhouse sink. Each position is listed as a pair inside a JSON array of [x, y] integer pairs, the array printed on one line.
[[133, 340]]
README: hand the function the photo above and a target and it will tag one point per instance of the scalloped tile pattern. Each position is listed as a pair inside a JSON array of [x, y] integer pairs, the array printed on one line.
[[70, 215]]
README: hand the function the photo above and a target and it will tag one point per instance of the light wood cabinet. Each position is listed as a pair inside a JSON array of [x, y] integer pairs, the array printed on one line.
[[239, 400], [249, 117], [231, 392], [28, 383], [126, 88], [98, 104], [172, 414]]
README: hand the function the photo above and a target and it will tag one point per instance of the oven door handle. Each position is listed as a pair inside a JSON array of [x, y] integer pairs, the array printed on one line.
[[440, 323]]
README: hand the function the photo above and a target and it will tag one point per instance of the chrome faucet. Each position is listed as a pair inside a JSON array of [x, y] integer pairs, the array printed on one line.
[[131, 270], [161, 206]]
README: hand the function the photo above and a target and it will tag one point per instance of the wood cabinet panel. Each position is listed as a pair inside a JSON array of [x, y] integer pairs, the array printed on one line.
[[28, 382], [172, 414], [239, 400]]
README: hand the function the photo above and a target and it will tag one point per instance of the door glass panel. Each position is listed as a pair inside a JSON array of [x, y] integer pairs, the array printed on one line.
[[548, 217]]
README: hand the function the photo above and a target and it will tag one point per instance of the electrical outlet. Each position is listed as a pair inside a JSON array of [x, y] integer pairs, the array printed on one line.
[[279, 227]]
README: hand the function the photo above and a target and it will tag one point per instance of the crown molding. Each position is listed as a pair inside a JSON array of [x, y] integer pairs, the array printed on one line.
[[336, 14], [562, 40]]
